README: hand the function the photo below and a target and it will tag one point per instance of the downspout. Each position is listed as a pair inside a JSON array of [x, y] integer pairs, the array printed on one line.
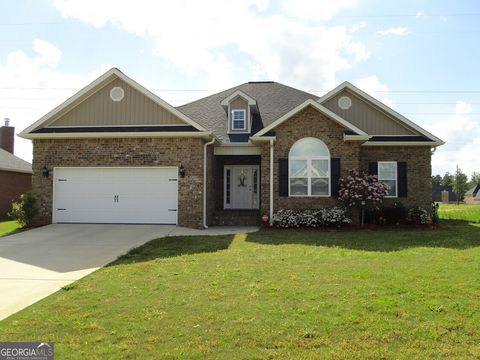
[[205, 182], [271, 182]]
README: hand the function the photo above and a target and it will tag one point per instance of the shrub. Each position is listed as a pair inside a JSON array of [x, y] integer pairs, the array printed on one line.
[[417, 215], [326, 217], [361, 191], [25, 210], [395, 214]]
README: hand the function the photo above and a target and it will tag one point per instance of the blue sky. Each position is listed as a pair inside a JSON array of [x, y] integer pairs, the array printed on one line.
[[420, 57]]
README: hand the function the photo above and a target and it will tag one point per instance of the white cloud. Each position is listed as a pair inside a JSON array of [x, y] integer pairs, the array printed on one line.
[[27, 88], [315, 9], [462, 136], [219, 39], [372, 85], [47, 53], [356, 27], [398, 31], [421, 14]]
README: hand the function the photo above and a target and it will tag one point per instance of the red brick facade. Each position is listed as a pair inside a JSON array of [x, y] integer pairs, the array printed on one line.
[[124, 152], [12, 185]]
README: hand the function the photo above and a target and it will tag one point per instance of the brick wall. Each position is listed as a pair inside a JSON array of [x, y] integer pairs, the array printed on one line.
[[12, 185], [307, 123], [311, 123], [419, 171], [124, 152]]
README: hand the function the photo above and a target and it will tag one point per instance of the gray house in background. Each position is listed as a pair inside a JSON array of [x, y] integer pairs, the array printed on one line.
[[472, 196]]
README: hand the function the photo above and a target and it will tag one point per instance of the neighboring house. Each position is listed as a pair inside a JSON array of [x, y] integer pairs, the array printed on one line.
[[116, 152], [472, 196], [15, 173]]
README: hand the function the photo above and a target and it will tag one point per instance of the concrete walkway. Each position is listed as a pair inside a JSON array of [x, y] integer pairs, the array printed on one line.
[[38, 262]]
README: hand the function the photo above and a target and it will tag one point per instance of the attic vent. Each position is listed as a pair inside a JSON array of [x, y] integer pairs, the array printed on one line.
[[260, 82], [344, 103], [117, 93]]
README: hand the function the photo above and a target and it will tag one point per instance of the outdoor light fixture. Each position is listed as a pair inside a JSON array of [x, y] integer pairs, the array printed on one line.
[[45, 172], [181, 171]]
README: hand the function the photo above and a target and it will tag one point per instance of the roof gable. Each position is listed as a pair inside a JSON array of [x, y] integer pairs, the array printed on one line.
[[402, 120], [93, 106], [319, 108]]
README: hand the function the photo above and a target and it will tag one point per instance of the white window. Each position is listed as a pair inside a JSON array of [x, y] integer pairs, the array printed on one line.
[[387, 173], [239, 120], [309, 167]]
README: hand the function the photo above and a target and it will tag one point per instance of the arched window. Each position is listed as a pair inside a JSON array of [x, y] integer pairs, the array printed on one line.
[[309, 167]]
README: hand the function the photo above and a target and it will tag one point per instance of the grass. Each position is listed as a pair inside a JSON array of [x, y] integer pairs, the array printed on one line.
[[9, 227], [460, 212], [273, 294]]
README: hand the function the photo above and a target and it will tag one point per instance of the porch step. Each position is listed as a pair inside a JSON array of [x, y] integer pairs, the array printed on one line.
[[237, 218]]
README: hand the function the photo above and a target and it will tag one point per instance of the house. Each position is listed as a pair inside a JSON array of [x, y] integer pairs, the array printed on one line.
[[15, 173], [117, 153], [472, 196]]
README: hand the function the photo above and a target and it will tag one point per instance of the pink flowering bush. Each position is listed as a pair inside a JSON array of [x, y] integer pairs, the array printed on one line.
[[360, 190]]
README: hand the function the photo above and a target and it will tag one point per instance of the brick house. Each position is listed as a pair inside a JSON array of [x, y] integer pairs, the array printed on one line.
[[15, 173], [116, 152]]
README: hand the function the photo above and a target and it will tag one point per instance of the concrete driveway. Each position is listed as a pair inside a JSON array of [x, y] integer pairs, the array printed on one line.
[[38, 262]]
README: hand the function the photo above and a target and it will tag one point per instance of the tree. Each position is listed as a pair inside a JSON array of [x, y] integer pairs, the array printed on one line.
[[447, 180], [360, 190], [437, 180], [459, 184], [475, 178]]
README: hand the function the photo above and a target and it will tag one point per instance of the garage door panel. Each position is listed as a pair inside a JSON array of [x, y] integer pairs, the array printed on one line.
[[116, 195]]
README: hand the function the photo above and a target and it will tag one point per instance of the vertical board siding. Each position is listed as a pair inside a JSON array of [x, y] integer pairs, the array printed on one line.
[[366, 116], [134, 109]]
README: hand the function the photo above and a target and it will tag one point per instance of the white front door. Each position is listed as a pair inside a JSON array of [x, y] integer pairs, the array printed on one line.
[[241, 187]]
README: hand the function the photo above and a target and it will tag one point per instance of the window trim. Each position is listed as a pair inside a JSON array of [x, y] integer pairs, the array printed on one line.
[[309, 178], [395, 163], [232, 128]]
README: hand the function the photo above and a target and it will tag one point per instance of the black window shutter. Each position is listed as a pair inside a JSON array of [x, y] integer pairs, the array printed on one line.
[[373, 168], [283, 177], [335, 175], [402, 178]]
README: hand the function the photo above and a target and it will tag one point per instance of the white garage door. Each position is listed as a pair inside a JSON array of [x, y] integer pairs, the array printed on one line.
[[115, 195]]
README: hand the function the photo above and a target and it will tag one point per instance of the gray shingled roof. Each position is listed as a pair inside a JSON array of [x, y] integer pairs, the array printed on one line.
[[273, 100], [10, 162], [474, 190]]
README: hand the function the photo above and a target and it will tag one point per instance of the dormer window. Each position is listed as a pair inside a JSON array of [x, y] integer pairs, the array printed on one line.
[[239, 119], [240, 109]]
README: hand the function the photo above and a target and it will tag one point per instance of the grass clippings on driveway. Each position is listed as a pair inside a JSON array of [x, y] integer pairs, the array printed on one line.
[[272, 294]]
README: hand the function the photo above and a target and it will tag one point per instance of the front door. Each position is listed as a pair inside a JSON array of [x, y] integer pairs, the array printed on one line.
[[241, 187]]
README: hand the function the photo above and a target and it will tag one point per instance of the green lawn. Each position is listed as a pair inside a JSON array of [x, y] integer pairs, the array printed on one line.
[[273, 294], [460, 212], [8, 227]]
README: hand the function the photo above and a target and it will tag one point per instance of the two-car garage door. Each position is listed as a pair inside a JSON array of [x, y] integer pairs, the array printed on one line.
[[115, 195]]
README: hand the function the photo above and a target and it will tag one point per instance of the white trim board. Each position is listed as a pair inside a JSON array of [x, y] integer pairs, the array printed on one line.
[[237, 150], [133, 134]]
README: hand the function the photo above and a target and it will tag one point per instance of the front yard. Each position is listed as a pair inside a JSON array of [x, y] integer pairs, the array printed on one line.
[[273, 294]]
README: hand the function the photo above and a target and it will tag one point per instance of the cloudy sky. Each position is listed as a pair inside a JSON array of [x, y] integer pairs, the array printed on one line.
[[418, 56]]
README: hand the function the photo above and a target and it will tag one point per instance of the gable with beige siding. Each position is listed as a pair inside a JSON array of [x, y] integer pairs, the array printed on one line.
[[367, 116], [100, 110]]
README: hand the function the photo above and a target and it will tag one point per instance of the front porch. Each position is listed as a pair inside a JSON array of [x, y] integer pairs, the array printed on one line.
[[236, 190]]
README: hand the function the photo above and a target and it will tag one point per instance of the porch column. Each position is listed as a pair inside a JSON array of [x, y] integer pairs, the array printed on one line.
[[271, 181]]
